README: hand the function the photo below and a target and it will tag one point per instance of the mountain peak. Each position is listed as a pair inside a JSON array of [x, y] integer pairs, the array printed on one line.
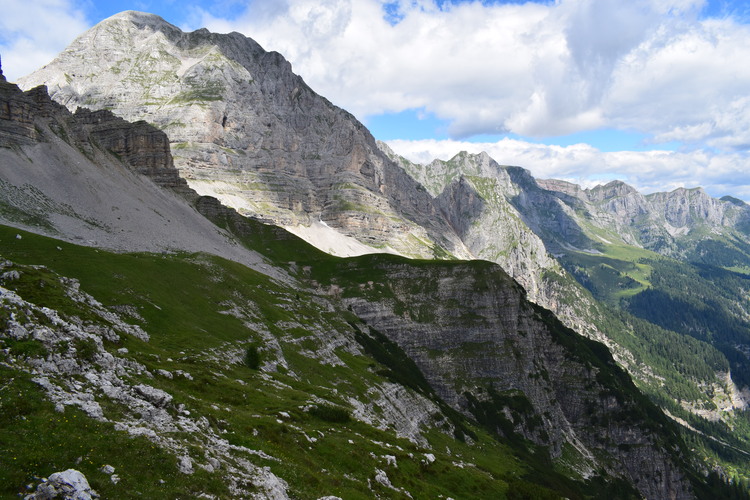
[[126, 21], [237, 114], [465, 154], [138, 18], [150, 22], [617, 183], [733, 200], [612, 189]]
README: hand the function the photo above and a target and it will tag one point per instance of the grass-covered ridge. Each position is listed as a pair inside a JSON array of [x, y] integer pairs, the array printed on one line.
[[201, 314]]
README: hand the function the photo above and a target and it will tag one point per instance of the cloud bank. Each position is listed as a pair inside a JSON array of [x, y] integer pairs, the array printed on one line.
[[648, 171], [536, 70]]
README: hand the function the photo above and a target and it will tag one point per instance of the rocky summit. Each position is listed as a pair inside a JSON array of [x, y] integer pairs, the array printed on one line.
[[248, 131], [165, 334]]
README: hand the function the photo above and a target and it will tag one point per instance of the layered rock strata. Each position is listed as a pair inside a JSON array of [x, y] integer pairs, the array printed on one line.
[[248, 131], [140, 145], [516, 369]]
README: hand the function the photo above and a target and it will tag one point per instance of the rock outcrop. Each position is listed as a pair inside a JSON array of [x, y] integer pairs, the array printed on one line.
[[476, 196], [141, 146], [493, 229], [66, 485], [18, 112]]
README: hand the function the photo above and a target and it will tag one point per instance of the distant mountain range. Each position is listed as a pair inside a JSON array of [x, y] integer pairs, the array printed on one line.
[[454, 354]]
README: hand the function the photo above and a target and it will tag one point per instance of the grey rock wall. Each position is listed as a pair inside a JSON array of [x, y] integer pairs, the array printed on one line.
[[516, 369], [248, 131]]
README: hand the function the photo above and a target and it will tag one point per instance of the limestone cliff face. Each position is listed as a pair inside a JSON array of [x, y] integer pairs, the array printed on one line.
[[689, 207], [669, 223], [476, 196], [141, 146], [503, 215], [494, 230], [247, 130], [511, 365], [18, 111]]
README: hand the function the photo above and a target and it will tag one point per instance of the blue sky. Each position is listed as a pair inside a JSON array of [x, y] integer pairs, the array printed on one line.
[[654, 92]]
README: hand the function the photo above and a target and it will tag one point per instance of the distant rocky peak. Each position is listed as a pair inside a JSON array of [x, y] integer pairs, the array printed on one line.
[[438, 174], [475, 158], [522, 177], [612, 189], [733, 200], [686, 207], [597, 194]]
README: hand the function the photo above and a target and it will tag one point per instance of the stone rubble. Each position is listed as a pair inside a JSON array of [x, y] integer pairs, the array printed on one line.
[[149, 410]]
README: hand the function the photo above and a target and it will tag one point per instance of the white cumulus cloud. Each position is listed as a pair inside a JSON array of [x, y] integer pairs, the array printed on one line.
[[33, 33], [652, 66]]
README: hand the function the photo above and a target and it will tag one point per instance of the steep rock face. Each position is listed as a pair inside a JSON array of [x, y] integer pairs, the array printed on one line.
[[511, 193], [546, 214], [476, 196], [493, 230], [688, 207], [142, 146], [19, 110], [438, 174], [247, 130], [511, 365], [502, 215]]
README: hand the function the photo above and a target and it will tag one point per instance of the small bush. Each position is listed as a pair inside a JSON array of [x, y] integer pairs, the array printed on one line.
[[252, 357], [27, 348], [333, 414], [86, 348]]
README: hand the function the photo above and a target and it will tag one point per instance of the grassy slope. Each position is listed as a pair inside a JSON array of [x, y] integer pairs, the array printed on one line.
[[178, 299]]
